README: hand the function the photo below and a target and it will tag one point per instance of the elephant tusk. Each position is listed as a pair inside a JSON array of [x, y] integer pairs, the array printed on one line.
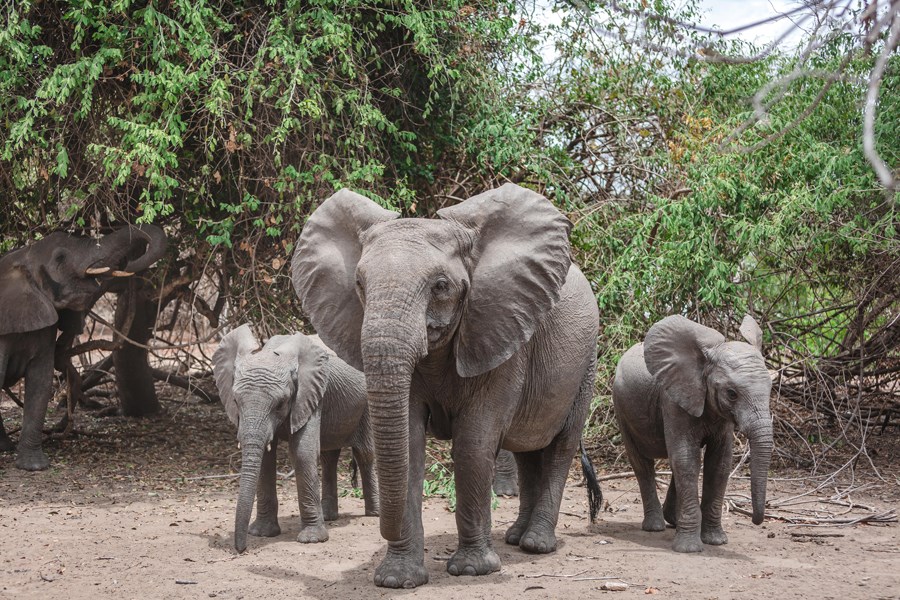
[[96, 271], [239, 445], [269, 447], [121, 274]]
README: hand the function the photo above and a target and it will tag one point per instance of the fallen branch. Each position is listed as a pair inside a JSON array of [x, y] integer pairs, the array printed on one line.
[[184, 383]]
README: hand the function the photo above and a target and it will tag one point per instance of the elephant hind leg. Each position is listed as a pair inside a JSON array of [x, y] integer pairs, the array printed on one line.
[[529, 467], [645, 472], [505, 477], [670, 508], [365, 461]]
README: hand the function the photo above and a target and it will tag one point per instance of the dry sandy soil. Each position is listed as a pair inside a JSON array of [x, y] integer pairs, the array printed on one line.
[[129, 510]]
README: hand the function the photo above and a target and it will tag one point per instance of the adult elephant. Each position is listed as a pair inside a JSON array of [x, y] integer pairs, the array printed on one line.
[[476, 324], [48, 285]]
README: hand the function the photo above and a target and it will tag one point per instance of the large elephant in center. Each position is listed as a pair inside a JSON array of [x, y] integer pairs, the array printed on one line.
[[50, 286], [477, 325]]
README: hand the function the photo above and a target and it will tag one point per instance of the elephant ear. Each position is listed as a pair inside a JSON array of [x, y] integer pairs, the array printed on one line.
[[324, 269], [751, 332], [520, 261], [312, 374], [676, 351], [233, 348], [23, 304]]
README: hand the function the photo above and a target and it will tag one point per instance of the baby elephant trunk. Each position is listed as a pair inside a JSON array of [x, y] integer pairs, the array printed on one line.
[[760, 435], [251, 461]]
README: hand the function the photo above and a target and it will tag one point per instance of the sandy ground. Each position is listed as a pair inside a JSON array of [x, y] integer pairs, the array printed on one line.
[[124, 513]]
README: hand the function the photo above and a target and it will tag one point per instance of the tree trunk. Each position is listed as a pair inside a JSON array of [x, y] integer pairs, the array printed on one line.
[[135, 317]]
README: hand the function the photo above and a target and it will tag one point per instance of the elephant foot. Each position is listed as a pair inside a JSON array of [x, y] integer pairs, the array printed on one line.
[[32, 460], [470, 560], [372, 511], [313, 534], [514, 533], [538, 542], [687, 542], [399, 571], [669, 513], [6, 444], [653, 522], [264, 528], [506, 488], [714, 536]]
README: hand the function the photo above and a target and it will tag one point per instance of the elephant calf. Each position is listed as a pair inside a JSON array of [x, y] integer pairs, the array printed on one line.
[[684, 388], [294, 388]]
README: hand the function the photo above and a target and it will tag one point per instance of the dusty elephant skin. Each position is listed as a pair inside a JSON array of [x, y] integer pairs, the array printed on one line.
[[477, 325], [49, 286], [293, 389], [684, 388]]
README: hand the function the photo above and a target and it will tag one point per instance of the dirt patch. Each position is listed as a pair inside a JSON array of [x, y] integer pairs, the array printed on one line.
[[145, 509]]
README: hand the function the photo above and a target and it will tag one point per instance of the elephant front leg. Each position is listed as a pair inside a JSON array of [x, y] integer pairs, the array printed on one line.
[[38, 389], [716, 468], [474, 466], [305, 456], [404, 564], [330, 460], [685, 460], [266, 523]]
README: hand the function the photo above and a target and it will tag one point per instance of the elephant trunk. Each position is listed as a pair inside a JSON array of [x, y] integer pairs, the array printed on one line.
[[140, 245], [251, 462], [391, 347], [156, 247], [759, 432]]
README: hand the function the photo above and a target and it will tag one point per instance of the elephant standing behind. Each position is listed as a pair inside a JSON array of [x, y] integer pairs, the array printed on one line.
[[295, 389], [684, 388], [51, 285], [476, 324]]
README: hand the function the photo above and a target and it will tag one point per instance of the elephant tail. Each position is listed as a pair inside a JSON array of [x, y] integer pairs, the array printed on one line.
[[595, 494]]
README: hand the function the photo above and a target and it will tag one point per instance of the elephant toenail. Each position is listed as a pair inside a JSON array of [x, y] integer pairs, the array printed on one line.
[[408, 584], [453, 570], [470, 570], [390, 582]]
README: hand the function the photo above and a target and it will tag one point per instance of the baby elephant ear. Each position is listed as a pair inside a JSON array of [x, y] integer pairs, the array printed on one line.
[[751, 332], [520, 261], [233, 348], [312, 374], [676, 351], [324, 269]]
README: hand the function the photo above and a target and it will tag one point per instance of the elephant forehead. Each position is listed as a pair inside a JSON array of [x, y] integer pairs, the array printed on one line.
[[264, 367], [744, 358], [417, 235]]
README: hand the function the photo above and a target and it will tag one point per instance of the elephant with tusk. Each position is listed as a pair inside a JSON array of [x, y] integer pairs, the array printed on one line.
[[51, 285]]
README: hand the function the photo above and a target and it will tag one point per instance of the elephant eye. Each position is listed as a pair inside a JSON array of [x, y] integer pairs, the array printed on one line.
[[441, 285], [732, 393]]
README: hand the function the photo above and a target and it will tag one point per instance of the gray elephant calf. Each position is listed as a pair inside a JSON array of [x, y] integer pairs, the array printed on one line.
[[684, 388], [294, 388]]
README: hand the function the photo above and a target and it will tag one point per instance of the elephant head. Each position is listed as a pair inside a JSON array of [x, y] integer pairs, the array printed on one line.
[[706, 375], [280, 384], [66, 272], [384, 293]]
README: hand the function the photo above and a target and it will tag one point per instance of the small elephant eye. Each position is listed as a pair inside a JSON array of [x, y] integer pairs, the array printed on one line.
[[441, 285], [732, 393]]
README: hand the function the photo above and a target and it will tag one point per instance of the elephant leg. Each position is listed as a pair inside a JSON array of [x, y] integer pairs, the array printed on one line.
[[404, 564], [473, 457], [330, 460], [645, 472], [684, 457], [505, 476], [529, 465], [266, 523], [540, 536], [716, 468], [365, 461], [670, 507], [38, 389], [305, 456], [6, 444]]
